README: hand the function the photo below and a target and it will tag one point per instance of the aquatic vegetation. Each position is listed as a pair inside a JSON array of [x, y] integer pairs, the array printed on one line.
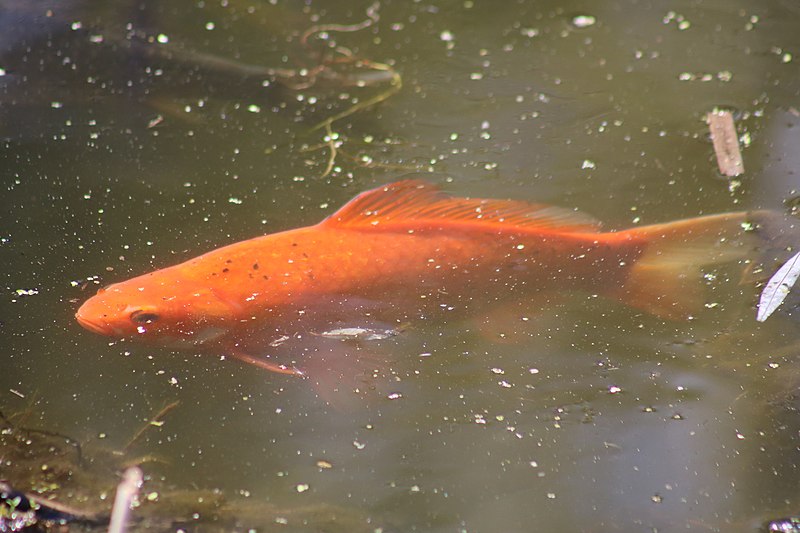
[[53, 481]]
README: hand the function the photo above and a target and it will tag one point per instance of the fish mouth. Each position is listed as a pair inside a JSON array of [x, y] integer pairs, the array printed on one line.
[[90, 325]]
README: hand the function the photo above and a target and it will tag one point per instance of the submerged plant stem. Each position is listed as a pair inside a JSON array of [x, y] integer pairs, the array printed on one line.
[[395, 85], [153, 421]]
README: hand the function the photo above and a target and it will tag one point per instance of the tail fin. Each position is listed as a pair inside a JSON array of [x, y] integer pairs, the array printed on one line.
[[666, 280]]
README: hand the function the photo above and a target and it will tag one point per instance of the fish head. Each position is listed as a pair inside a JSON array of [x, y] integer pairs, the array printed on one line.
[[161, 311]]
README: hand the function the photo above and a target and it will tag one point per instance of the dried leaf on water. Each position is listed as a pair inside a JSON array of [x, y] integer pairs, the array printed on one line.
[[778, 287]]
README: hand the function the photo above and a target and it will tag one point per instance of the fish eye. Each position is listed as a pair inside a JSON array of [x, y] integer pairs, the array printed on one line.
[[143, 317]]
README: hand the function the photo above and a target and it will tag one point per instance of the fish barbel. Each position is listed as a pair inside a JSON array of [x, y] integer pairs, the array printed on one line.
[[409, 248]]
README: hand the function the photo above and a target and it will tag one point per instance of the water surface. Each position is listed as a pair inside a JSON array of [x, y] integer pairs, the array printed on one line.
[[591, 416]]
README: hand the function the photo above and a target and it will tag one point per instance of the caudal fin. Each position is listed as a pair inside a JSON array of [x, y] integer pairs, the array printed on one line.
[[666, 281]]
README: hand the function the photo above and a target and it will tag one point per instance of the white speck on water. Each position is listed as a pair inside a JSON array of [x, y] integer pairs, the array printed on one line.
[[583, 21], [498, 371], [210, 26], [395, 396], [447, 36], [588, 163], [254, 108], [162, 38], [301, 487], [76, 25], [27, 292], [233, 200], [359, 445]]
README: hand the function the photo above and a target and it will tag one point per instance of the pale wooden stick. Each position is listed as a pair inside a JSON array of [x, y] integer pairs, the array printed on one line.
[[726, 142], [126, 492]]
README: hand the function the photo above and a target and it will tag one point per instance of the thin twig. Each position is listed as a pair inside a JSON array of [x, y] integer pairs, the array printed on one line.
[[156, 420]]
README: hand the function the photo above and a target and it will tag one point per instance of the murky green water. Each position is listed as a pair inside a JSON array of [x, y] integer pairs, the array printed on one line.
[[597, 417]]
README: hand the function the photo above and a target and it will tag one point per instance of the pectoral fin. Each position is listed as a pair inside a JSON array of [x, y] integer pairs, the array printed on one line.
[[266, 365]]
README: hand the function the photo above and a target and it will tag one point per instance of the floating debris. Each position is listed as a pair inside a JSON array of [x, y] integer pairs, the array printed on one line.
[[778, 287], [583, 21], [364, 334], [27, 292], [726, 142], [784, 525]]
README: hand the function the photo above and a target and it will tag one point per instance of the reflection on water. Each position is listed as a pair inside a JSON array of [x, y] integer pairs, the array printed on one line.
[[589, 415]]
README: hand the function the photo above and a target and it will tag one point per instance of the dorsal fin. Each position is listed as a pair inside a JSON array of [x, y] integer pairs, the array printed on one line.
[[411, 204]]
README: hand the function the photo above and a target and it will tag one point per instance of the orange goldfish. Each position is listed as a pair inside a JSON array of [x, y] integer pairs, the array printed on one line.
[[407, 250]]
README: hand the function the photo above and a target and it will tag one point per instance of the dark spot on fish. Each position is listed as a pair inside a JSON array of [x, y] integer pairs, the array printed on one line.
[[213, 273], [305, 255], [250, 275], [294, 244], [255, 266], [229, 261], [226, 270], [265, 276]]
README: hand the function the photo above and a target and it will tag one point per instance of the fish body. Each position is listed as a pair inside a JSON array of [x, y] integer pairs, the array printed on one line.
[[407, 250]]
